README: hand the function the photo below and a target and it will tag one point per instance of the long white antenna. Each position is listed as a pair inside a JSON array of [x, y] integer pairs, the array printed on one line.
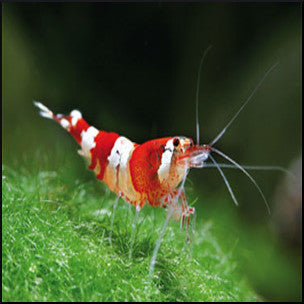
[[197, 91], [225, 180], [265, 168], [242, 107], [245, 172]]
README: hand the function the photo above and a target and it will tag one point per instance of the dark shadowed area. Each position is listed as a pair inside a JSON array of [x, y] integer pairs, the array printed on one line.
[[132, 69]]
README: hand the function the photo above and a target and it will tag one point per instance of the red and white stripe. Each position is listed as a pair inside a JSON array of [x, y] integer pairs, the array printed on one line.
[[140, 173]]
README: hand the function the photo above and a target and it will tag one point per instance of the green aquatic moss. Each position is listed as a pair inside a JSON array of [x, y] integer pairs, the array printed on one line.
[[56, 247]]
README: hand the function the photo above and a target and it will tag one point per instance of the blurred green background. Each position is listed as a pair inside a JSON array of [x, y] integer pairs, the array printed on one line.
[[132, 69]]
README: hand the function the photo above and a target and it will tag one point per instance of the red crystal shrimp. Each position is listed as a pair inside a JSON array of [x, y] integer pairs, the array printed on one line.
[[148, 172], [138, 173]]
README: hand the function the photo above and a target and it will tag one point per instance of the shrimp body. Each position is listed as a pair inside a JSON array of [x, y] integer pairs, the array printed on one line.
[[139, 173]]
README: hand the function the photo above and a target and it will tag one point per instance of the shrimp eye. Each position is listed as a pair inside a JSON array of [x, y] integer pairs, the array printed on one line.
[[175, 142]]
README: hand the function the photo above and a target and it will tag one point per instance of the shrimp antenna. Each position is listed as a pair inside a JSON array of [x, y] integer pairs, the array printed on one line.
[[225, 179], [244, 171], [266, 168], [242, 107], [197, 91]]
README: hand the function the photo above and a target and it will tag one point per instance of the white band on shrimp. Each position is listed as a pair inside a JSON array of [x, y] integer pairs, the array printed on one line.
[[75, 114], [88, 140], [164, 168]]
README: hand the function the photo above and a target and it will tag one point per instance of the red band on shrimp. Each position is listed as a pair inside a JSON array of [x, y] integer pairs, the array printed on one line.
[[81, 125], [104, 144], [144, 163]]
